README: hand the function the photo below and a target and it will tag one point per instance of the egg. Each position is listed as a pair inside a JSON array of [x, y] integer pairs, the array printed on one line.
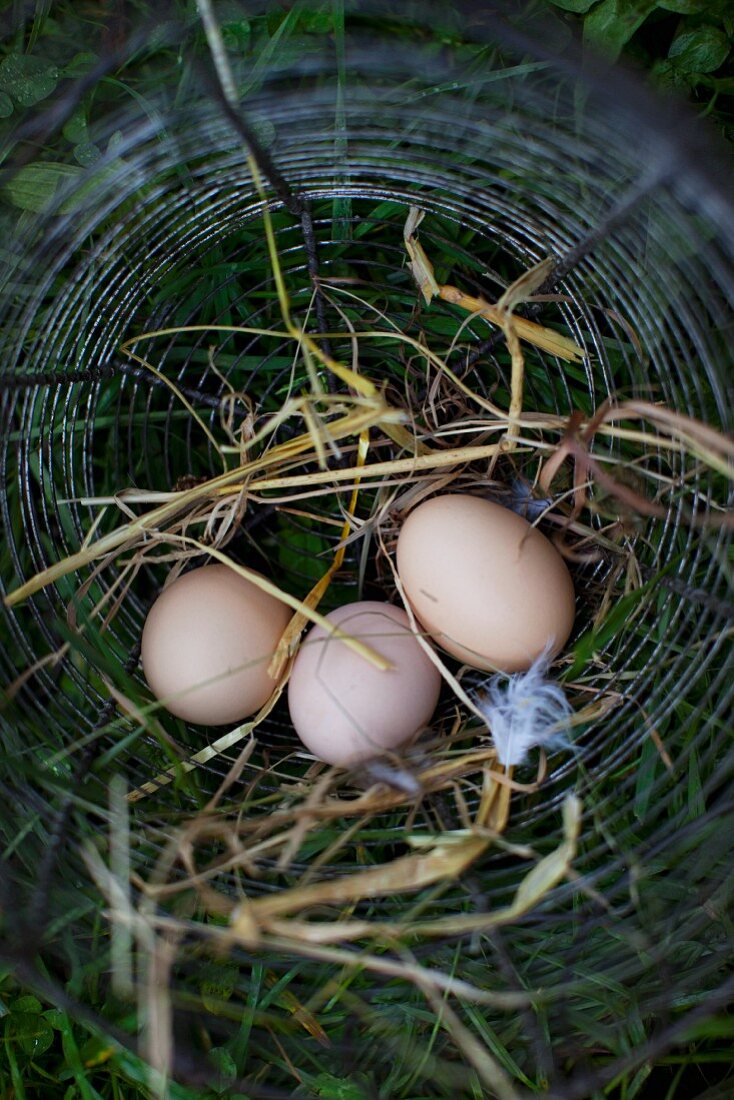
[[486, 585], [207, 643], [345, 709]]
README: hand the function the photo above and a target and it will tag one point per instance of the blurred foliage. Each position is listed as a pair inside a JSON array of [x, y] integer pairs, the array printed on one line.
[[65, 51], [685, 45]]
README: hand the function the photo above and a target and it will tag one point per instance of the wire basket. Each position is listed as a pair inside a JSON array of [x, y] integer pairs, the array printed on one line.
[[515, 153]]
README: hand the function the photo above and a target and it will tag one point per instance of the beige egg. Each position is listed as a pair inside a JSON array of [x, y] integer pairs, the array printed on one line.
[[487, 586], [345, 709], [207, 643]]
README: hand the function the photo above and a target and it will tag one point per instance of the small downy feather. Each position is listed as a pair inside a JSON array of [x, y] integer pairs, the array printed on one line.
[[524, 710]]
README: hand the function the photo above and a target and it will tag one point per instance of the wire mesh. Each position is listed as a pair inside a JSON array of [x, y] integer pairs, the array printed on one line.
[[165, 231]]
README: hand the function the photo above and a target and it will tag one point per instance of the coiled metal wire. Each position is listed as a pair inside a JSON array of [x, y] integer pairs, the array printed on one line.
[[536, 162]]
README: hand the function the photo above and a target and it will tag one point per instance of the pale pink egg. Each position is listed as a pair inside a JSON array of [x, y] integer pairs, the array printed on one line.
[[345, 709]]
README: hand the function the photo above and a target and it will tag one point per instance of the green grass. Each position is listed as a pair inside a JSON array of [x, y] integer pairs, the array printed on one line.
[[251, 1023]]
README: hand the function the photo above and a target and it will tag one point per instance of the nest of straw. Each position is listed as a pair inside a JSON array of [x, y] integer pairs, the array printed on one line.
[[357, 456]]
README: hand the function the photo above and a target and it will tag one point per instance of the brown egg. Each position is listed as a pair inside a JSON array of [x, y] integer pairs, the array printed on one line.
[[487, 586], [207, 643], [345, 709]]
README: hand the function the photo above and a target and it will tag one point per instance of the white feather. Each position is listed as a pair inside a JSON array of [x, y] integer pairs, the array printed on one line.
[[523, 711]]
